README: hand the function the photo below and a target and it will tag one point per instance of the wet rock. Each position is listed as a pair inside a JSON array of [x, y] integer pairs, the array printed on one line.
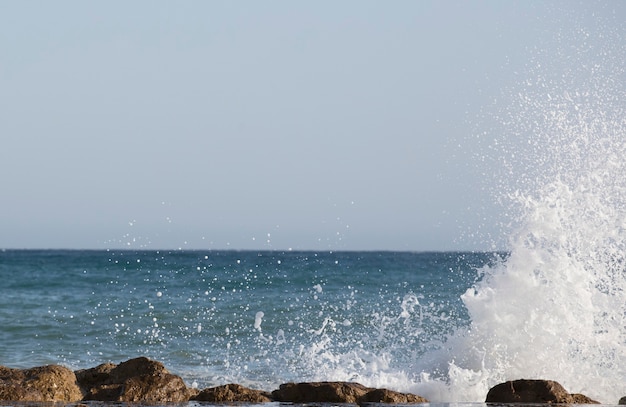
[[192, 392], [11, 386], [134, 380], [89, 378], [340, 392], [43, 383], [390, 397], [140, 366], [534, 391], [320, 392], [158, 388], [232, 393], [582, 399]]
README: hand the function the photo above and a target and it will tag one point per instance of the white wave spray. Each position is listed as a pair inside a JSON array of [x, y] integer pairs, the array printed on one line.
[[555, 308]]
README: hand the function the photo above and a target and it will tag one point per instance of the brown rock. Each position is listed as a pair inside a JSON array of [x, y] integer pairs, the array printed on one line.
[[582, 399], [232, 393], [139, 379], [320, 392], [12, 387], [622, 401], [140, 366], [532, 391], [390, 397], [159, 388], [88, 378], [18, 392], [193, 392], [104, 392], [43, 383]]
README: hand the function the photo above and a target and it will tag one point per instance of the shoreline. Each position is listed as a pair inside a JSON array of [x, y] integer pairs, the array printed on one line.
[[149, 382]]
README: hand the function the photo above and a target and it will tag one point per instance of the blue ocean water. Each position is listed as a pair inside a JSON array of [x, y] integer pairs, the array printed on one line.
[[256, 318]]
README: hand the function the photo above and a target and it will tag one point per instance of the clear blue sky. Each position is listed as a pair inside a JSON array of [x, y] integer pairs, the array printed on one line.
[[259, 124]]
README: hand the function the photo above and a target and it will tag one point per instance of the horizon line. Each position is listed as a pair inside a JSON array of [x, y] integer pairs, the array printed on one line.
[[145, 249]]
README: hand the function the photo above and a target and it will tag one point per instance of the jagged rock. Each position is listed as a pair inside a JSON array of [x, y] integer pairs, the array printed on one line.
[[390, 397], [534, 391], [134, 380], [43, 383], [232, 393], [320, 392]]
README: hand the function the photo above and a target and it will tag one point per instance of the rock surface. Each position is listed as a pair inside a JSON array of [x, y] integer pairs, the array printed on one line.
[[321, 392], [229, 393], [390, 397], [139, 379], [534, 391], [582, 399], [142, 380], [43, 383], [340, 392]]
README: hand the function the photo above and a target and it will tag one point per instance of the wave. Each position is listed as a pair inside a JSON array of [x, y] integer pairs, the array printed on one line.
[[555, 307]]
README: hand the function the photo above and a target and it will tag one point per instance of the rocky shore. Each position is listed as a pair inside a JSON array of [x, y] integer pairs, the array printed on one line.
[[146, 381]]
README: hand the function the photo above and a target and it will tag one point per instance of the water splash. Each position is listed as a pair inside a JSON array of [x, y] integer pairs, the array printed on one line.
[[555, 308]]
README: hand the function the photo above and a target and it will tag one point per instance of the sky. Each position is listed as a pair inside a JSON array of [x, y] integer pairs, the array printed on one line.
[[318, 125]]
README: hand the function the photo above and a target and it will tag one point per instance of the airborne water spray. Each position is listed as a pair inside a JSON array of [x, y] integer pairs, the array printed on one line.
[[555, 308]]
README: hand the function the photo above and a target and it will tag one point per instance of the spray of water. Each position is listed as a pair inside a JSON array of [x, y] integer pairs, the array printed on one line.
[[555, 308]]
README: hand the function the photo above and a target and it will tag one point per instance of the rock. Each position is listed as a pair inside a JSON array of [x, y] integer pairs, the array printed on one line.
[[88, 378], [140, 366], [193, 392], [142, 380], [320, 392], [158, 388], [12, 387], [232, 393], [622, 400], [390, 397], [582, 399], [534, 391], [340, 392], [43, 383], [134, 380]]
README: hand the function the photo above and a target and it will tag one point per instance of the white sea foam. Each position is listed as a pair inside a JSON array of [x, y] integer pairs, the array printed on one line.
[[555, 308]]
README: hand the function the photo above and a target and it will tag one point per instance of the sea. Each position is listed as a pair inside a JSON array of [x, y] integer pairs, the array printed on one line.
[[550, 304], [258, 318], [445, 325]]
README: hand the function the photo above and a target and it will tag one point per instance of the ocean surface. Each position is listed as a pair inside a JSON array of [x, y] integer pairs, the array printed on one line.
[[255, 318], [427, 323]]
